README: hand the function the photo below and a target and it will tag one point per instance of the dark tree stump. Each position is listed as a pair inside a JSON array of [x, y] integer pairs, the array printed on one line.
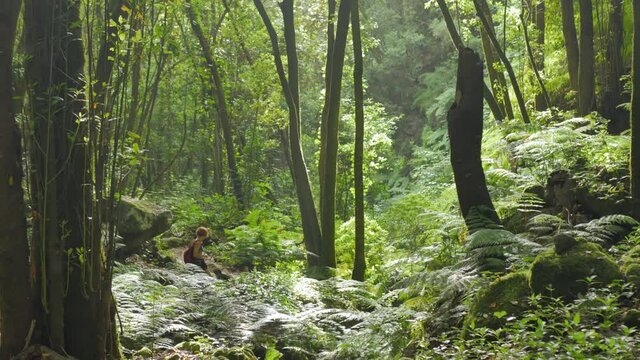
[[465, 134]]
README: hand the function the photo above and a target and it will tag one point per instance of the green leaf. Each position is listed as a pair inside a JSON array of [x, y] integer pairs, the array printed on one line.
[[576, 319], [272, 354], [500, 314]]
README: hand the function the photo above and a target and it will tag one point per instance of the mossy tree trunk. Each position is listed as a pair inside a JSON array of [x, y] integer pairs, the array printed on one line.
[[464, 121], [15, 296], [359, 265], [635, 114]]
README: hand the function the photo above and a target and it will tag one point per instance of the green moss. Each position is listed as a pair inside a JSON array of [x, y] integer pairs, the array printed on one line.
[[631, 265], [566, 273], [419, 303], [504, 295], [632, 256]]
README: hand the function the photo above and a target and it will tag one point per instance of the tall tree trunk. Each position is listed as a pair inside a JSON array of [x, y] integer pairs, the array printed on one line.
[[331, 37], [505, 61], [570, 41], [464, 121], [310, 225], [497, 112], [542, 99], [359, 264], [498, 81], [327, 217], [15, 296], [635, 114], [586, 70], [70, 258], [615, 67], [221, 104]]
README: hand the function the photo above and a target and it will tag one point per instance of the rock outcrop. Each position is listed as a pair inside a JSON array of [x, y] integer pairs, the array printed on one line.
[[139, 221]]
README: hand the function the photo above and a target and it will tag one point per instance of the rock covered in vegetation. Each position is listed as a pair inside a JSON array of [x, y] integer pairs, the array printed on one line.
[[631, 265], [563, 243], [565, 273], [140, 220], [505, 296]]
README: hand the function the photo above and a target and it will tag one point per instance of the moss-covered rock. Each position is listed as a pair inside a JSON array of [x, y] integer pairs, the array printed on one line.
[[631, 318], [566, 273], [563, 243], [631, 265], [145, 353], [140, 221], [505, 296]]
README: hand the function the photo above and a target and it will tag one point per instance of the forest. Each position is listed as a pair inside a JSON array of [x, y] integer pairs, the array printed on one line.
[[319, 179]]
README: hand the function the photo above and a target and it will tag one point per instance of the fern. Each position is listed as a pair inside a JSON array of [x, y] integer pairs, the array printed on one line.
[[608, 230]]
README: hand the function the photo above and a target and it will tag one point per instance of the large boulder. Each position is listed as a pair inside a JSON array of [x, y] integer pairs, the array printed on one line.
[[505, 296], [140, 221], [565, 270]]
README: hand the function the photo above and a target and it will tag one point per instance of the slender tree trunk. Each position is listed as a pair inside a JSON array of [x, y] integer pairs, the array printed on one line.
[[497, 112], [359, 264], [15, 296], [542, 99], [327, 250], [465, 133], [218, 166], [570, 41], [546, 102], [221, 105], [498, 81], [635, 114], [586, 70], [331, 37], [310, 225], [505, 61]]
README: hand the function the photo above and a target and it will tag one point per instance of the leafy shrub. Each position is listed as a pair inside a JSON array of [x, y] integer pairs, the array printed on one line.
[[590, 327], [213, 211], [375, 241], [260, 242]]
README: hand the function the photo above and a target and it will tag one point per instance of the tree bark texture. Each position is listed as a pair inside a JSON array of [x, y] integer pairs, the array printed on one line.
[[570, 41], [635, 114], [221, 104], [586, 69], [310, 224], [497, 112], [15, 298], [464, 121], [359, 264]]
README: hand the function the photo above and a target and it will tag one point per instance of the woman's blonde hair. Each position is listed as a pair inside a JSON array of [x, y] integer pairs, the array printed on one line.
[[202, 231]]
